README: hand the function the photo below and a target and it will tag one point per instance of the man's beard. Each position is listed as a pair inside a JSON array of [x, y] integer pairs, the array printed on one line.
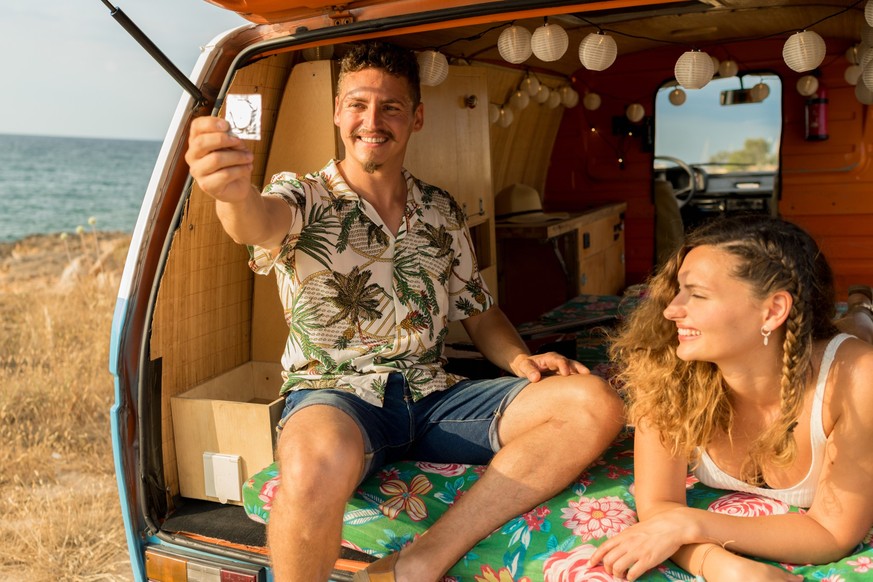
[[370, 166]]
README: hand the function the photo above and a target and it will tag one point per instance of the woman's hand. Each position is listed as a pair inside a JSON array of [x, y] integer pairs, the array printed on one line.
[[644, 545]]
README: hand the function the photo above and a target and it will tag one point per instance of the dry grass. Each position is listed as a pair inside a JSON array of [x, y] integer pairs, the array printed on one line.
[[61, 516]]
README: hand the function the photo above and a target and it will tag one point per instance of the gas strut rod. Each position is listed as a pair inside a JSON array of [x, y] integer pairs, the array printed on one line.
[[152, 49]]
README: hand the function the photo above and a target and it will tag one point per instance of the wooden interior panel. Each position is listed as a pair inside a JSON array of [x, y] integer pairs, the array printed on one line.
[[202, 322], [520, 153]]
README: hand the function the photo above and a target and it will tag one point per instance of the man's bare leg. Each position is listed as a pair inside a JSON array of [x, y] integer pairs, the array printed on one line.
[[321, 456], [551, 432]]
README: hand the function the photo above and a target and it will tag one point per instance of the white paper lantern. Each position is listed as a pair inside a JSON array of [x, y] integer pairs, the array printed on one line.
[[519, 100], [868, 12], [866, 35], [728, 68], [569, 97], [863, 94], [693, 70], [852, 74], [804, 51], [635, 112], [543, 94], [853, 54], [715, 63], [591, 101], [531, 84], [677, 97], [433, 68], [513, 44], [549, 42], [318, 53], [867, 76], [807, 85], [506, 117], [554, 99], [493, 113], [865, 57], [597, 51], [760, 91]]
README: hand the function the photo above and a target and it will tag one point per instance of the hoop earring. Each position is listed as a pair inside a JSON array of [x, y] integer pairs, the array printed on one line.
[[766, 333]]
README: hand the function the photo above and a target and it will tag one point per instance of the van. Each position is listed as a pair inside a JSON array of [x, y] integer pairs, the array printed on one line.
[[575, 137]]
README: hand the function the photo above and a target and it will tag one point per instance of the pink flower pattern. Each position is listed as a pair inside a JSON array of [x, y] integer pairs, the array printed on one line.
[[748, 505], [572, 566], [596, 518], [444, 469], [862, 565], [268, 491]]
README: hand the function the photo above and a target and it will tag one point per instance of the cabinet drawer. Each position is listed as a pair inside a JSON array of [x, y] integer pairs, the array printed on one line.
[[600, 235]]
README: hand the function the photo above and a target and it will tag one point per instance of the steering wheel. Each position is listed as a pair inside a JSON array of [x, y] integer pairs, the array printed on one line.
[[683, 195]]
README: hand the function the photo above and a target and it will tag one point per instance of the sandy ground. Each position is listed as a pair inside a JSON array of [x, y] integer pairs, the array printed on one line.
[[52, 264]]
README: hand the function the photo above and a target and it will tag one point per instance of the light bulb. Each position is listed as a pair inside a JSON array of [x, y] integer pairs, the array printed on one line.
[[807, 85]]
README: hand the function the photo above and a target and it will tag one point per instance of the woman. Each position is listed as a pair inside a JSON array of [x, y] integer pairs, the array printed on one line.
[[734, 368]]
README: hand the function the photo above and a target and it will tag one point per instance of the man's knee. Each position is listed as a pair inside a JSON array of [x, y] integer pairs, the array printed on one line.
[[320, 454], [580, 404]]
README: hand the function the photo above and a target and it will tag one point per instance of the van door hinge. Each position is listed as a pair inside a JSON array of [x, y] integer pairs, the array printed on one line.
[[341, 15]]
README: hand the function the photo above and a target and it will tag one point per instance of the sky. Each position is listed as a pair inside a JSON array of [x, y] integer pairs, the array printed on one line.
[[701, 127], [69, 69]]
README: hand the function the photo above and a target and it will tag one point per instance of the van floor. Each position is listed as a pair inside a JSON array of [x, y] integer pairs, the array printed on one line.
[[227, 523]]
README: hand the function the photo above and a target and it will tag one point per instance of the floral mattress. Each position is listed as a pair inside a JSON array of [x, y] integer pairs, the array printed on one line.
[[550, 543]]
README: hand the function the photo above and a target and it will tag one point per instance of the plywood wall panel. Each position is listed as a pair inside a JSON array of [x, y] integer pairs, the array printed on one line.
[[202, 322]]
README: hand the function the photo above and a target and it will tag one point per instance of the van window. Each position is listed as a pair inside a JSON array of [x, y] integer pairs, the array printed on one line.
[[717, 148], [722, 137]]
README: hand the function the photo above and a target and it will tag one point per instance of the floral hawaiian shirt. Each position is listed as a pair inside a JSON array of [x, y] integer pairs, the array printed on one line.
[[361, 303]]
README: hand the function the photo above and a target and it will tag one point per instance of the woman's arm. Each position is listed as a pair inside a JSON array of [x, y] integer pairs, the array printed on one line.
[[841, 513], [668, 528]]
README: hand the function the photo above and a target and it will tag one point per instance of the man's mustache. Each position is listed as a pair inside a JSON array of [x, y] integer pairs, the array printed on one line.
[[373, 133]]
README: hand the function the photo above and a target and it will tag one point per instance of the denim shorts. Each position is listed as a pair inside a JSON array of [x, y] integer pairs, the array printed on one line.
[[457, 425]]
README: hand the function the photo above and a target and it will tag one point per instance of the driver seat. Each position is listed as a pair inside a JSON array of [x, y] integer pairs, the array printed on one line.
[[669, 230]]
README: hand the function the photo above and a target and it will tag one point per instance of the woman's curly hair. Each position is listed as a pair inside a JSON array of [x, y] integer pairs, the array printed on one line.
[[686, 402]]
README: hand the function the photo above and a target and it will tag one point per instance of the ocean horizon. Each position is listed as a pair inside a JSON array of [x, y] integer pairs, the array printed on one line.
[[53, 184]]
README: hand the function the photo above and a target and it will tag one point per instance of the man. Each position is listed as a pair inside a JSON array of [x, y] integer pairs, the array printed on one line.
[[372, 265]]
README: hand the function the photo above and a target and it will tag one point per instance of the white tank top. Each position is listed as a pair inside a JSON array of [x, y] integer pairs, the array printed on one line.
[[801, 494]]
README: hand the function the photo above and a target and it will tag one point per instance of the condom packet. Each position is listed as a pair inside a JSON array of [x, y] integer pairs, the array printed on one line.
[[243, 112]]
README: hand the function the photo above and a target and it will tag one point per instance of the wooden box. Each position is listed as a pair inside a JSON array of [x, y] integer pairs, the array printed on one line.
[[232, 414]]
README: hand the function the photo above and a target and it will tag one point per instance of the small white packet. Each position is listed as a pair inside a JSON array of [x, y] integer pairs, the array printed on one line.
[[243, 113]]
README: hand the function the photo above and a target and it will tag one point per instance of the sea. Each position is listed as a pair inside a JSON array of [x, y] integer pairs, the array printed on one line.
[[50, 185]]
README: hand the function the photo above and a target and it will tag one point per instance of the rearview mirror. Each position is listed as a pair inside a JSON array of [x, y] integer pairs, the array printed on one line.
[[737, 97]]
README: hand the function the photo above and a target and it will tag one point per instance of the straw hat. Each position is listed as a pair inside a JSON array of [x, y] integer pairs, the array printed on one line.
[[519, 203]]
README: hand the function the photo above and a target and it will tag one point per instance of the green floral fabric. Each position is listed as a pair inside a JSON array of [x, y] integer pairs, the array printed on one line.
[[550, 543], [360, 302]]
